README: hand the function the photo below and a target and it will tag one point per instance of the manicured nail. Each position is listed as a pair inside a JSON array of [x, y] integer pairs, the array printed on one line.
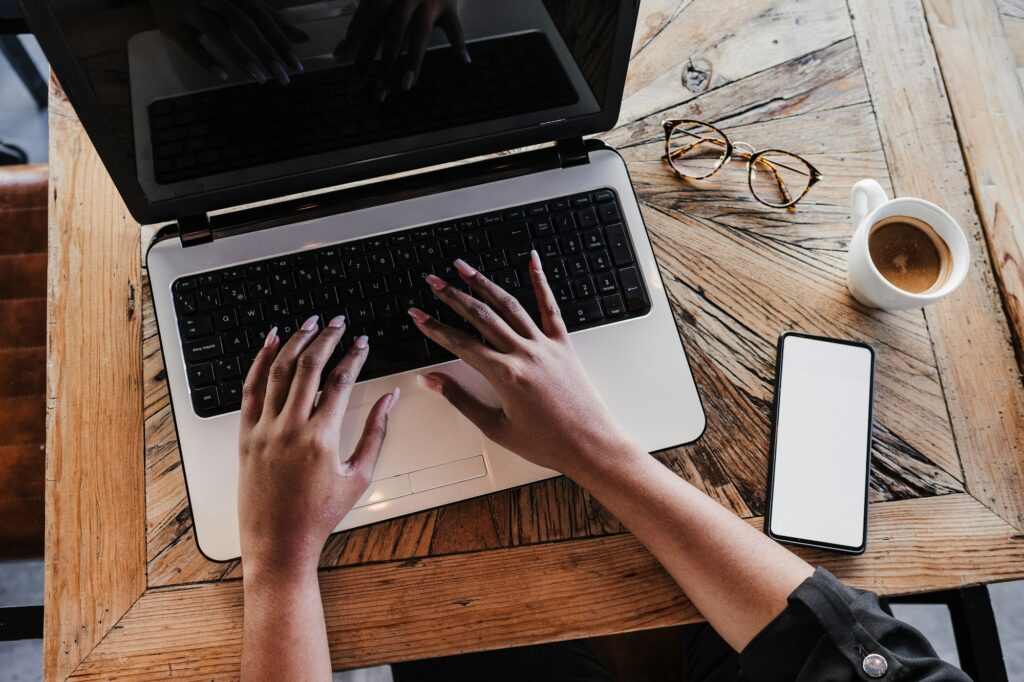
[[279, 73], [296, 62], [418, 315], [337, 322], [310, 324], [464, 268], [393, 401], [465, 57], [429, 382], [435, 282], [271, 337], [408, 79], [219, 72], [257, 72], [535, 260], [383, 90], [363, 341]]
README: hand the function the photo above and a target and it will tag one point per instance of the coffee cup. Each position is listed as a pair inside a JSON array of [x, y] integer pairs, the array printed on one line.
[[905, 253]]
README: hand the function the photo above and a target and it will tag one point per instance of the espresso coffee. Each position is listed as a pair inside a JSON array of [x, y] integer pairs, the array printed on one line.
[[909, 254]]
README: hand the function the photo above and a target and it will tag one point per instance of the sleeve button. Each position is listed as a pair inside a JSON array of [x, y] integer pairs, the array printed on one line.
[[875, 665]]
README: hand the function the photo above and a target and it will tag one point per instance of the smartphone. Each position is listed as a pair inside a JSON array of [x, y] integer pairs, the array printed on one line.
[[821, 443]]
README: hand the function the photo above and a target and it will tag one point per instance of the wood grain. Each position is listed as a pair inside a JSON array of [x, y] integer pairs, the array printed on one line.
[[972, 341], [395, 611], [95, 559]]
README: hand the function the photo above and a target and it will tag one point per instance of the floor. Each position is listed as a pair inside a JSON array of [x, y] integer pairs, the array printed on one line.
[[21, 582]]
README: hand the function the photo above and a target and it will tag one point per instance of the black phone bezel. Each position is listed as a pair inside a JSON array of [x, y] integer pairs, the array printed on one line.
[[780, 346]]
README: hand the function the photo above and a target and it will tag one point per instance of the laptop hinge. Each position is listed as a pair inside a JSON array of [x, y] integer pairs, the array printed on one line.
[[194, 229], [572, 151]]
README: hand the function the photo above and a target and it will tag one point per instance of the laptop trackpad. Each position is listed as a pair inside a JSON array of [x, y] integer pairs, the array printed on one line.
[[424, 431]]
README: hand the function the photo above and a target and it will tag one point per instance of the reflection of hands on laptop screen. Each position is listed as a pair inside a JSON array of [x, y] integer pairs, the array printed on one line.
[[396, 27], [255, 36]]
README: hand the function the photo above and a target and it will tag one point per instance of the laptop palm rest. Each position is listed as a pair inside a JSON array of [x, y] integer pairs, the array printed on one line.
[[418, 455]]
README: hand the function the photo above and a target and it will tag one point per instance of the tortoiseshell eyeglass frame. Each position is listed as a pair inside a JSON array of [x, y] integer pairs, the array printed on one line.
[[752, 156]]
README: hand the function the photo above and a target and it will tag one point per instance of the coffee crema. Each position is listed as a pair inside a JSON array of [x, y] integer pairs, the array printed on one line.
[[909, 254]]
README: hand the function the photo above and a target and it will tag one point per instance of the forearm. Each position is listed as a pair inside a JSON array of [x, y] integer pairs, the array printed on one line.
[[284, 637], [737, 577]]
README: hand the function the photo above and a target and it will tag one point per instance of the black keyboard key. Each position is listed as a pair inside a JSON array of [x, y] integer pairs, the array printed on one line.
[[330, 253], [208, 299], [404, 329], [195, 325], [542, 227], [586, 217], [405, 256], [507, 279], [515, 214], [281, 282], [203, 349], [352, 248], [360, 313], [277, 308], [619, 245], [209, 279], [577, 265], [225, 318], [332, 272], [453, 246], [555, 269], [584, 287], [489, 219], [609, 213], [357, 266], [518, 255], [604, 195], [233, 273], [632, 289], [235, 341], [581, 200], [600, 260], [379, 334], [205, 400], [306, 277], [250, 313], [375, 286], [613, 305], [325, 297], [257, 269], [234, 292], [259, 288], [570, 244], [510, 233], [185, 284], [350, 292], [548, 248], [593, 239], [494, 260], [559, 205], [605, 283], [200, 374], [399, 238], [287, 327], [565, 222], [582, 312], [226, 368], [258, 336], [185, 303], [410, 299], [563, 292], [281, 263], [467, 224], [384, 307], [537, 210], [230, 392], [301, 303], [429, 251], [397, 281], [380, 261], [376, 243], [477, 241], [421, 233]]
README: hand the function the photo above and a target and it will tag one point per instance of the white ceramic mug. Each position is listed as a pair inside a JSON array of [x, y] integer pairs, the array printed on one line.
[[865, 282]]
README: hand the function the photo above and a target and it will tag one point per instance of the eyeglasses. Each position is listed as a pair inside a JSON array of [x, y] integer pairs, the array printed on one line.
[[696, 150]]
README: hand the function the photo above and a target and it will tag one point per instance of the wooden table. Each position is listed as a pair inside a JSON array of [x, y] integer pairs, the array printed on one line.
[[859, 89]]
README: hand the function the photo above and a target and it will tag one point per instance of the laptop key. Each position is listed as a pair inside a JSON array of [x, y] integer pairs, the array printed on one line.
[[226, 368], [510, 233], [619, 245], [600, 260], [632, 289], [203, 349], [582, 312], [230, 392], [200, 374], [196, 325], [605, 282], [609, 213], [613, 305], [586, 217], [205, 399]]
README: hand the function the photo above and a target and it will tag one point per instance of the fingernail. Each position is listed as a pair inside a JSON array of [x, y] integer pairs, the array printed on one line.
[[296, 62], [407, 80], [535, 260], [337, 322], [257, 72], [393, 401], [219, 72], [435, 282], [382, 91], [428, 382], [279, 73], [464, 268], [271, 337], [466, 58], [310, 324], [418, 315], [363, 341]]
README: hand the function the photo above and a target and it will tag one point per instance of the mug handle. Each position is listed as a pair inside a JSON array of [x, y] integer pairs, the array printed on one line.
[[866, 196]]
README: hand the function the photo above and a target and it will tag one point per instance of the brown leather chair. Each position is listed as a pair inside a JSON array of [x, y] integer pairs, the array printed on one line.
[[22, 359]]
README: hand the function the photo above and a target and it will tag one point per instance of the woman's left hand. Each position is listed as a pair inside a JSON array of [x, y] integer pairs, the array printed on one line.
[[294, 484]]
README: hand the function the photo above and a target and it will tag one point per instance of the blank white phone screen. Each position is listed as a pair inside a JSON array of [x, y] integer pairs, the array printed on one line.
[[821, 442]]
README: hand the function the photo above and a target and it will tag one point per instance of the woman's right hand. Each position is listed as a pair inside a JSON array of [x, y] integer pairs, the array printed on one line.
[[550, 413]]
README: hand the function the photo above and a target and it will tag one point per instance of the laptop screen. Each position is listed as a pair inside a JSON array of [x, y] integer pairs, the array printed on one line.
[[203, 104]]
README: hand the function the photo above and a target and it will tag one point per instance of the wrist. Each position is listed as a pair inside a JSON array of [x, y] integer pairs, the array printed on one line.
[[603, 458], [278, 568]]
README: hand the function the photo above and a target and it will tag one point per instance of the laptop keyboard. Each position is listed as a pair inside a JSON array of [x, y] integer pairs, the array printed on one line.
[[242, 126], [224, 315]]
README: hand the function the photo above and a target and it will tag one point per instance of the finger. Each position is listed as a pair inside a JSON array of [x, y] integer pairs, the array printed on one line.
[[419, 40], [292, 32], [243, 26], [282, 371], [367, 452], [369, 40], [486, 418], [550, 314], [255, 388], [200, 55], [468, 349], [310, 365], [219, 34], [276, 29], [476, 312], [339, 383], [394, 36], [452, 28], [503, 303]]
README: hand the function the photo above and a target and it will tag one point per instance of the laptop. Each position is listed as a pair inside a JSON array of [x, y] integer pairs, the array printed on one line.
[[282, 201]]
